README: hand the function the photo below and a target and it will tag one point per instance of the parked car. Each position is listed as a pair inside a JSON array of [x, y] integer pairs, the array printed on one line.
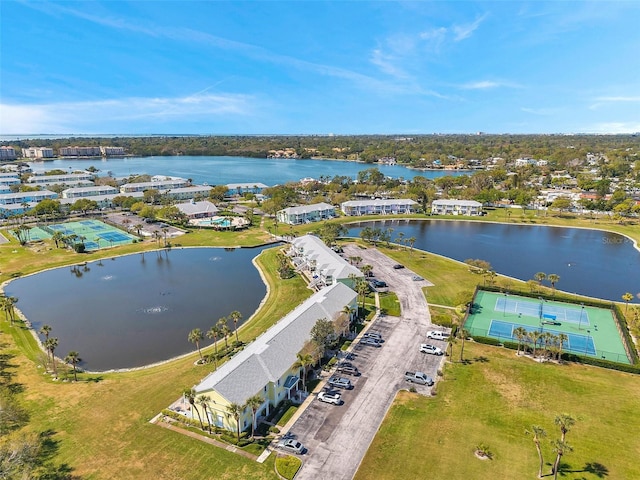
[[292, 445], [417, 278], [378, 284], [330, 397], [340, 382], [372, 342], [430, 349], [398, 266], [436, 335], [375, 335], [419, 378], [347, 368]]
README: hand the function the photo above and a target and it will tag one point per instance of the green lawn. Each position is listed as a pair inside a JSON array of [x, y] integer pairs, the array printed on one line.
[[390, 304], [100, 425], [492, 400]]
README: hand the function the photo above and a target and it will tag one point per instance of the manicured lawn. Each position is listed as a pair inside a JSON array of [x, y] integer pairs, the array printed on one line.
[[100, 427], [389, 304], [492, 400]]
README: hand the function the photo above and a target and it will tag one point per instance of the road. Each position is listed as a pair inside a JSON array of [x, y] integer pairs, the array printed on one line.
[[337, 437]]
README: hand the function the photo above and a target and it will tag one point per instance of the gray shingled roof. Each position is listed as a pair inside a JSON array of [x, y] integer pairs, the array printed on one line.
[[326, 259], [192, 208], [308, 208], [274, 352]]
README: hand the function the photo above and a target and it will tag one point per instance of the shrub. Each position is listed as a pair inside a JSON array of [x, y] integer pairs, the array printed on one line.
[[488, 341], [274, 429], [287, 466], [345, 345]]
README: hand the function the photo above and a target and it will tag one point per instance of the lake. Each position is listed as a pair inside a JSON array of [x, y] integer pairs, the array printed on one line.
[[224, 170], [138, 309], [589, 262]]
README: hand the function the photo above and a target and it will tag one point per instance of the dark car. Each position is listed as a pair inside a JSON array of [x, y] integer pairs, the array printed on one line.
[[378, 283], [398, 266]]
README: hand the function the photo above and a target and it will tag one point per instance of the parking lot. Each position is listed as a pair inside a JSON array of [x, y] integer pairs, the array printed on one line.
[[129, 222], [337, 437]]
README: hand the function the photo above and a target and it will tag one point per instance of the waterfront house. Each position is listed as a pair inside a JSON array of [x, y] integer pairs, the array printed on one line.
[[37, 152], [306, 213], [247, 187], [158, 185], [456, 207], [390, 206], [321, 264], [94, 191], [266, 367], [70, 178]]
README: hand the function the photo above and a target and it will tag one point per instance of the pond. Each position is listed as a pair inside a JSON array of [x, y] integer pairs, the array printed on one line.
[[135, 310], [589, 262]]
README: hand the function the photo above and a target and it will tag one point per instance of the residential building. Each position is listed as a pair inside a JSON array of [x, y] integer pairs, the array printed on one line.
[[248, 187], [79, 151], [323, 266], [111, 151], [57, 179], [187, 193], [159, 185], [456, 207], [306, 213], [5, 179], [89, 191], [7, 153], [378, 207], [266, 367], [203, 209], [26, 197], [37, 152]]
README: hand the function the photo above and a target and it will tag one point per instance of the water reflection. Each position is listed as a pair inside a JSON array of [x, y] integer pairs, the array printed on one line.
[[590, 262]]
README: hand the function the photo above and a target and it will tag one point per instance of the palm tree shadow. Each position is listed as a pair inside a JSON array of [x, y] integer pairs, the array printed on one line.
[[594, 468], [481, 359], [6, 375]]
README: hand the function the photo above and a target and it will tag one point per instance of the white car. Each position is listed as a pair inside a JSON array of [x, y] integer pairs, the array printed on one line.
[[291, 445], [435, 335], [430, 349], [330, 397]]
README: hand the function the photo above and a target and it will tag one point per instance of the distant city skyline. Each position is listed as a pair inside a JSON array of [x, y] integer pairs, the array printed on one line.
[[216, 68]]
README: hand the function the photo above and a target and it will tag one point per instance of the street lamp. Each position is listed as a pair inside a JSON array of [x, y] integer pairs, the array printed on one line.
[[504, 307], [581, 311], [587, 344]]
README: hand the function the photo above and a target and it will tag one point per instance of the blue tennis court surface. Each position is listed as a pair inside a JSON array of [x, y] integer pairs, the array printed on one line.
[[576, 343], [542, 310]]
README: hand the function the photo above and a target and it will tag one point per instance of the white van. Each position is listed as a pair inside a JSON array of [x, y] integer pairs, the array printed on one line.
[[434, 335]]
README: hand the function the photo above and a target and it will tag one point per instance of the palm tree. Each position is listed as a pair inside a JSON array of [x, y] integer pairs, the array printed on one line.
[[254, 403], [51, 345], [190, 395], [462, 334], [348, 310], [73, 358], [562, 338], [214, 332], [520, 333], [564, 422], [362, 288], [45, 330], [553, 279], [235, 411], [411, 241], [547, 339], [225, 331], [8, 304], [195, 336], [236, 316], [540, 276], [366, 269], [534, 336], [627, 297], [560, 447], [303, 361], [203, 401], [450, 341], [57, 237], [538, 433]]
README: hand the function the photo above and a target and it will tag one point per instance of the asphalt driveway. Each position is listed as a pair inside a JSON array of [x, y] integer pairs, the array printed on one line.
[[337, 437]]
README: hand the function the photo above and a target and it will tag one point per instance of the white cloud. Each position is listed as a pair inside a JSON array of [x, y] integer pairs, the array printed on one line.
[[462, 32], [487, 84], [119, 114], [541, 111]]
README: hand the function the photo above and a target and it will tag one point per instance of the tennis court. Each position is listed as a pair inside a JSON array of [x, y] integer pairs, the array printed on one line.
[[542, 309], [591, 331], [94, 233], [575, 343]]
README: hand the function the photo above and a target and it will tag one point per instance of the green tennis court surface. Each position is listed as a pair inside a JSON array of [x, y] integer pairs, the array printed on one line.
[[591, 331], [94, 233]]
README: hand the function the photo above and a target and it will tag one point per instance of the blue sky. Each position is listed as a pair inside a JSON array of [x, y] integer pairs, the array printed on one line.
[[303, 67]]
